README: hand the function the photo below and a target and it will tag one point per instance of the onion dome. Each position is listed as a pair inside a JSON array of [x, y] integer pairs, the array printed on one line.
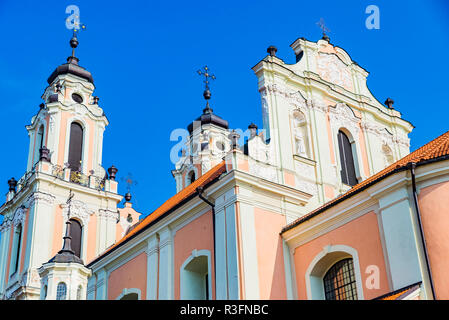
[[71, 67]]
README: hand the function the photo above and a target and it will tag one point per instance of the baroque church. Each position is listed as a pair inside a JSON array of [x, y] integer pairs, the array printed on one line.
[[324, 202]]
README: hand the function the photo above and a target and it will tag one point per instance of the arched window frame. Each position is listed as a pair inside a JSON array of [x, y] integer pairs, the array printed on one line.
[[187, 175], [59, 291], [354, 150], [16, 249], [86, 134], [84, 229], [127, 291], [196, 254], [39, 141], [322, 262], [74, 219], [342, 118]]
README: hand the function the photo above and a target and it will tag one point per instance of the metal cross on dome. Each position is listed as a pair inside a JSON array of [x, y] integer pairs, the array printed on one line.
[[129, 181], [206, 73], [323, 27]]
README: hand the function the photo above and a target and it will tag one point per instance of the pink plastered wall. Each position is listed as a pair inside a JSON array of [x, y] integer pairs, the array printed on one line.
[[361, 234], [270, 257], [434, 204], [132, 274], [198, 234]]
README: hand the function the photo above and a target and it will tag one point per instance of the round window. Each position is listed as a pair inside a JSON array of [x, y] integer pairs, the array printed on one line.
[[77, 98]]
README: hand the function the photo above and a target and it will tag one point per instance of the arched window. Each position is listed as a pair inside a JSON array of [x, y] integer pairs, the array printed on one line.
[[190, 177], [39, 143], [339, 281], [348, 175], [195, 279], [79, 292], [76, 232], [61, 291], [44, 293], [16, 249], [75, 146], [130, 296]]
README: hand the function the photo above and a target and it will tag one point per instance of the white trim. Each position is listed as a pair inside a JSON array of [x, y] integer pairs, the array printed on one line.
[[127, 291], [314, 277], [195, 254]]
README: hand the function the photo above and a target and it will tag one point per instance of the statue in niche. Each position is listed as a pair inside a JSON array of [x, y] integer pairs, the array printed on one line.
[[300, 145], [299, 124]]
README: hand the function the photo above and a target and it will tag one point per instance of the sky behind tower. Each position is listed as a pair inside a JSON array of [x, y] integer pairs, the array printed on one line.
[[143, 56]]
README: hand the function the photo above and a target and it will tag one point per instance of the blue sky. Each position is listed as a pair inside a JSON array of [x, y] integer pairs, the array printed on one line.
[[144, 56]]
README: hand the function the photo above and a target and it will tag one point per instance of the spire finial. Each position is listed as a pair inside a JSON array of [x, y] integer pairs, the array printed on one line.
[[74, 43], [67, 247], [325, 29], [206, 94]]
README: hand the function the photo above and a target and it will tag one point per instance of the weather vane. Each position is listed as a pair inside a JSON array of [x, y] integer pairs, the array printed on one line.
[[206, 73], [129, 181], [325, 29]]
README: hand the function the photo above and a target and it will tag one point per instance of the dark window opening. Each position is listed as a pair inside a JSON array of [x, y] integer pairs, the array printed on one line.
[[75, 146], [348, 175], [77, 98], [76, 231], [18, 245], [339, 281]]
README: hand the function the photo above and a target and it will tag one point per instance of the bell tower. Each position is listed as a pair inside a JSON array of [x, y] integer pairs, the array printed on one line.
[[65, 157], [207, 144]]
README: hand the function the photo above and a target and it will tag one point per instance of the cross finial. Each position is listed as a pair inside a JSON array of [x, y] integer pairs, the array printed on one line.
[[130, 181], [206, 73], [325, 29], [206, 94]]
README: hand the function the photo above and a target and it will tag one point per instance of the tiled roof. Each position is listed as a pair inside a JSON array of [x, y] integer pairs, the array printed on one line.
[[396, 295], [168, 206], [434, 150]]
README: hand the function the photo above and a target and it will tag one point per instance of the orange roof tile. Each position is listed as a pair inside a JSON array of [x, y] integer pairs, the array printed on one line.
[[398, 293], [435, 149], [169, 205]]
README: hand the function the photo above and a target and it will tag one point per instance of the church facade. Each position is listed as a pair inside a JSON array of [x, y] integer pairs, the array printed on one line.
[[324, 202]]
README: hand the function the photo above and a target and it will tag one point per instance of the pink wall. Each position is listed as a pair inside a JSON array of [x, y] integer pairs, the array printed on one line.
[[91, 238], [132, 274], [434, 203], [362, 234], [270, 256], [198, 235], [57, 233]]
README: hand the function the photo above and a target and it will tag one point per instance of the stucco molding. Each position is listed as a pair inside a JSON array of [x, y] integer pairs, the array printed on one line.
[[78, 209], [39, 197]]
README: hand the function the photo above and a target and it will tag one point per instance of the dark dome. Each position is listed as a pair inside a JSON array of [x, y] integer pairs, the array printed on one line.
[[71, 67], [208, 117]]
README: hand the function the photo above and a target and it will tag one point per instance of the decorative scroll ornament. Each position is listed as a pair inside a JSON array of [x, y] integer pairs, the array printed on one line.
[[39, 197], [19, 216], [78, 209], [342, 116], [332, 69], [108, 214]]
